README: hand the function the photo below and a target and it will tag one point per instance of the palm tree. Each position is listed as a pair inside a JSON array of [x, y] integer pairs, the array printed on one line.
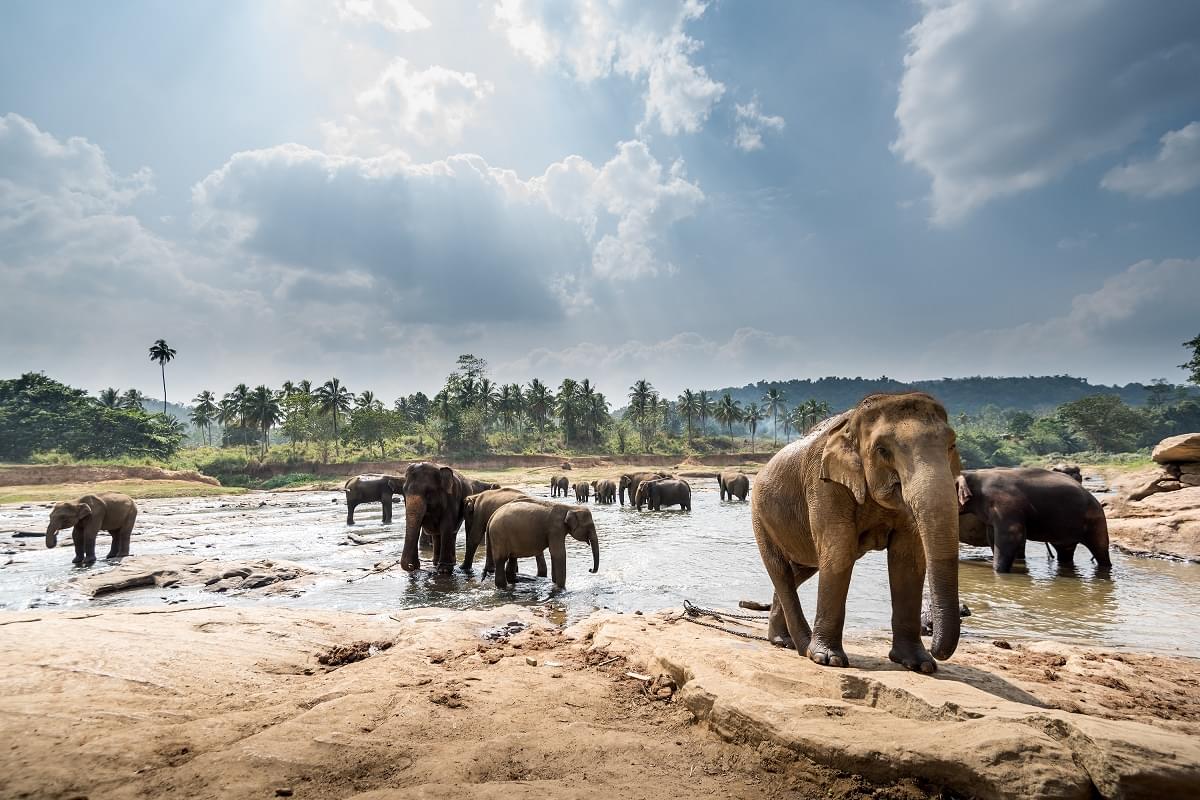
[[162, 353], [487, 398], [774, 400], [642, 401], [706, 406], [786, 418], [689, 406], [566, 404], [798, 415], [263, 410], [538, 401], [204, 413], [366, 399], [132, 400], [728, 411], [333, 398], [752, 416], [110, 398]]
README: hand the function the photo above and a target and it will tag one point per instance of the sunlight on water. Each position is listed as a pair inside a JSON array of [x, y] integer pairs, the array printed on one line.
[[647, 562]]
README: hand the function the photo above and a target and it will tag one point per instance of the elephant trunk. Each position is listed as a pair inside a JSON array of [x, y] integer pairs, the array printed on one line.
[[594, 541], [931, 497], [52, 536], [414, 515]]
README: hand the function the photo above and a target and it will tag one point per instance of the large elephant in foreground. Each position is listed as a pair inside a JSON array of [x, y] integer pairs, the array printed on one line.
[[1004, 508], [523, 529], [372, 489], [664, 492], [630, 480], [733, 484], [87, 516], [477, 512], [434, 499], [880, 476]]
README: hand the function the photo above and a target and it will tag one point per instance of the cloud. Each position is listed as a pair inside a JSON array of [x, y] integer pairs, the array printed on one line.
[[642, 41], [1140, 315], [398, 16], [1175, 170], [429, 106], [1002, 96], [751, 123]]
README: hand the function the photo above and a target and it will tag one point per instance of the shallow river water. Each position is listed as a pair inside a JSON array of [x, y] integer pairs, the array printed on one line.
[[648, 561]]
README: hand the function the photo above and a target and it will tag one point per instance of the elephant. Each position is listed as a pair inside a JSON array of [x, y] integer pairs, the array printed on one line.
[[481, 486], [605, 491], [477, 512], [372, 489], [583, 490], [523, 529], [434, 500], [1004, 508], [559, 486], [879, 476], [733, 484], [630, 480], [1070, 470], [87, 516], [664, 492]]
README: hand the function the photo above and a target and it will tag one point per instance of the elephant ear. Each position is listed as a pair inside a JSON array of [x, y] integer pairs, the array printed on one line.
[[841, 463], [571, 520], [955, 461], [447, 478], [87, 509]]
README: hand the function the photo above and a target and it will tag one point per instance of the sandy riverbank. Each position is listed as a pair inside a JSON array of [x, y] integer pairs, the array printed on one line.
[[1166, 524], [210, 702]]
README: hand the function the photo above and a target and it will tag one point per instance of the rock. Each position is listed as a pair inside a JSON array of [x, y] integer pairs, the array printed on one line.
[[1161, 484], [1184, 447], [531, 661], [1166, 524], [283, 791]]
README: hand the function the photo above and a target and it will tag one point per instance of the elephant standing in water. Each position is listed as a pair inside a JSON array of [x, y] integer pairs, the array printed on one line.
[[733, 484], [880, 476], [372, 489], [434, 502], [477, 512], [630, 480], [87, 516], [583, 490], [524, 529], [664, 492], [559, 485], [605, 491], [1004, 508]]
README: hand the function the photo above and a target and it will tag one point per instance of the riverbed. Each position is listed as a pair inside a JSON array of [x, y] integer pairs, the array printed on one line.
[[648, 561]]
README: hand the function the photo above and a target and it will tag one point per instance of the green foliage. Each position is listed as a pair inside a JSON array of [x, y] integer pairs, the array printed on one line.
[[1193, 364], [290, 479], [1104, 422]]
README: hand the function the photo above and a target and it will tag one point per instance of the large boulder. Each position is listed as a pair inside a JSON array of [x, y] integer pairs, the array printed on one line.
[[1184, 447]]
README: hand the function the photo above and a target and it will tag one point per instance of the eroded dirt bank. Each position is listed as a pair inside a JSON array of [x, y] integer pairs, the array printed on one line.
[[220, 702]]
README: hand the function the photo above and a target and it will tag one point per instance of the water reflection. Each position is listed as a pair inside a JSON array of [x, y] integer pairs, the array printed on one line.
[[647, 561]]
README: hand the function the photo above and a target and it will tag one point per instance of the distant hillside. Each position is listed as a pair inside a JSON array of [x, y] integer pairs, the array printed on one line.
[[959, 395], [152, 406]]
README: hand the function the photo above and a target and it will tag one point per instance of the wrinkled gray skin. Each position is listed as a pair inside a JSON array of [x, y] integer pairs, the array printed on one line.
[[477, 512], [880, 476], [372, 489], [559, 485], [583, 490], [733, 484], [664, 492], [524, 529], [87, 516], [630, 480], [434, 497], [605, 491]]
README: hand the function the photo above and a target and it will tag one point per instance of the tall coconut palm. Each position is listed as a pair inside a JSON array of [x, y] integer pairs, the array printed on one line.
[[538, 401], [264, 412], [642, 404], [333, 398], [752, 416], [366, 399], [161, 352], [110, 398], [132, 400], [728, 411], [774, 400], [705, 406], [518, 408], [487, 398], [204, 413], [689, 407], [566, 405]]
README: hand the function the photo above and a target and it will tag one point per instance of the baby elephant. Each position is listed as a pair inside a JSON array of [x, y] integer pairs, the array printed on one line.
[[89, 515], [583, 490], [525, 529], [372, 489], [733, 484], [664, 492]]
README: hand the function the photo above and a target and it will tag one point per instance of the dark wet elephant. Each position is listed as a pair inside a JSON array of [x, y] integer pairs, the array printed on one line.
[[559, 486], [630, 480], [1005, 508], [733, 484], [583, 490], [434, 499], [605, 491], [87, 516], [664, 492], [372, 489]]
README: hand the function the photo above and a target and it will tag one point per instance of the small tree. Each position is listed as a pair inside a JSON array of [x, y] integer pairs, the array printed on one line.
[[752, 416], [1193, 364]]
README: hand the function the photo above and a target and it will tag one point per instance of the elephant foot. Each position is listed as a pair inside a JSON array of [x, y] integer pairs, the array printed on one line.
[[913, 656], [827, 655], [77, 561], [445, 569], [783, 640], [87, 562]]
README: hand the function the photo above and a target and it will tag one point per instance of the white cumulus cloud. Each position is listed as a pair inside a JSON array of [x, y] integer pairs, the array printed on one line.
[[1002, 96], [398, 16], [1175, 170], [429, 106], [751, 122]]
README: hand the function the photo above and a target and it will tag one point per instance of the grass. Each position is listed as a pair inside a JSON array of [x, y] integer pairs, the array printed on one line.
[[137, 489]]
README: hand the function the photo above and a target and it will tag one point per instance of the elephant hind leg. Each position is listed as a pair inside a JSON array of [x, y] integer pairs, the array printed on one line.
[[114, 547], [350, 506], [541, 564], [1096, 541], [1065, 553], [787, 626]]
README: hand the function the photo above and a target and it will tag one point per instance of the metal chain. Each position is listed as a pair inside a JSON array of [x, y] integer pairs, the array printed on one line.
[[723, 629], [695, 610]]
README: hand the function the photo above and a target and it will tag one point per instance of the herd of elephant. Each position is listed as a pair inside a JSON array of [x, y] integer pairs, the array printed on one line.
[[884, 475]]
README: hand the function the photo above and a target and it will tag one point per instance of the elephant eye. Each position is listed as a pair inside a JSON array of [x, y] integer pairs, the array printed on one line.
[[882, 451]]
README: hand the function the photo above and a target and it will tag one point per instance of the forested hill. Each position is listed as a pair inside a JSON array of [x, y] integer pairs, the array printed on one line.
[[960, 395]]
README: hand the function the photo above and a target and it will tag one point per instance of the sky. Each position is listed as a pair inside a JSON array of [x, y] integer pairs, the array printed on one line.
[[701, 194]]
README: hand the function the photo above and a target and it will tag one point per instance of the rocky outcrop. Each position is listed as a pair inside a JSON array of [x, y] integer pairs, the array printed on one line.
[[967, 729], [1161, 524], [1180, 459], [175, 571], [1175, 449]]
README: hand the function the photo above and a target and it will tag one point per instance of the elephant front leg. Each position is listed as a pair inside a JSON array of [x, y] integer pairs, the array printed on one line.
[[387, 509], [825, 647], [445, 541], [558, 563], [114, 548], [1009, 545], [906, 577], [89, 544], [77, 537], [350, 506], [541, 564]]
